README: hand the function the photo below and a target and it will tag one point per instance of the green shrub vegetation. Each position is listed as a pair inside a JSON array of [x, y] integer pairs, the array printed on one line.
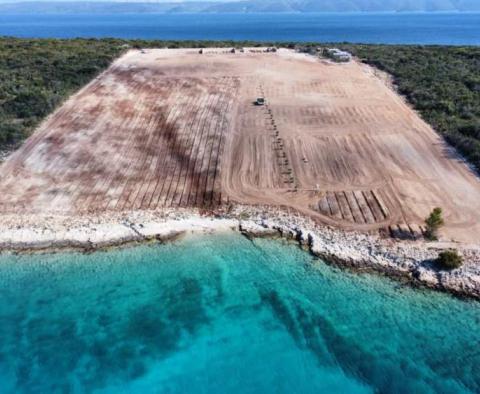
[[449, 260], [433, 223], [36, 75], [442, 83]]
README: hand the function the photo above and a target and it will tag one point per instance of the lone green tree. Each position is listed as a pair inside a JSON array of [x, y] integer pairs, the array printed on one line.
[[433, 223]]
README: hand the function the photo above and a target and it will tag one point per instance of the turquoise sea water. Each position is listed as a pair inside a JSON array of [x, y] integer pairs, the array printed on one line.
[[220, 314], [389, 28]]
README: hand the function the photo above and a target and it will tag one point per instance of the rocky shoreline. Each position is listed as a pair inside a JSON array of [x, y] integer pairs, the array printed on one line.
[[410, 261], [413, 263]]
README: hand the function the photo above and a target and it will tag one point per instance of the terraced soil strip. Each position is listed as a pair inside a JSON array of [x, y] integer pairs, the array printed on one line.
[[344, 207], [165, 129], [198, 168], [378, 198], [323, 206], [415, 230], [133, 176], [373, 205], [198, 119], [184, 199], [149, 125], [185, 151], [175, 145], [117, 182], [84, 186], [218, 146], [211, 145], [367, 213], [181, 136], [402, 231], [395, 231], [354, 208], [134, 198], [205, 190], [168, 147], [192, 173], [405, 230], [172, 160], [153, 148], [178, 161], [201, 175], [161, 152], [115, 179], [217, 187], [333, 204], [168, 143]]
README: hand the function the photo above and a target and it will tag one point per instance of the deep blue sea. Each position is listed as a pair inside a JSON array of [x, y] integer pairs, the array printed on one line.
[[219, 314], [392, 28]]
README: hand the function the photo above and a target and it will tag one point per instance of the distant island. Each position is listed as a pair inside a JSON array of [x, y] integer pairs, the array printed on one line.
[[247, 6]]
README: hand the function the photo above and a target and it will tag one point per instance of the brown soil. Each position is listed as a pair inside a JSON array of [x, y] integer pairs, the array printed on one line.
[[174, 128]]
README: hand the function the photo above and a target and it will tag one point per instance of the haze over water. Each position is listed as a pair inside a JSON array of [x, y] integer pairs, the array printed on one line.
[[391, 28], [221, 314]]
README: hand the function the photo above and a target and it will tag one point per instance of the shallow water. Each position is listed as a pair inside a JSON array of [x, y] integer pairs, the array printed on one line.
[[220, 314], [388, 28]]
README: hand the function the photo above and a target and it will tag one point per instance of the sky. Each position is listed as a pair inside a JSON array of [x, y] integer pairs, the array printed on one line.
[[115, 1]]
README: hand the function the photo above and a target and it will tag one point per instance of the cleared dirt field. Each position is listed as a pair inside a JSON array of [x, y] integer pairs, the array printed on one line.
[[175, 128]]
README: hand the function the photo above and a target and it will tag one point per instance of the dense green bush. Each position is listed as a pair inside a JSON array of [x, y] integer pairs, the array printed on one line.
[[449, 260]]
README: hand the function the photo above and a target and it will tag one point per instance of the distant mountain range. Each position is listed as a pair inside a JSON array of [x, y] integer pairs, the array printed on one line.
[[247, 6]]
